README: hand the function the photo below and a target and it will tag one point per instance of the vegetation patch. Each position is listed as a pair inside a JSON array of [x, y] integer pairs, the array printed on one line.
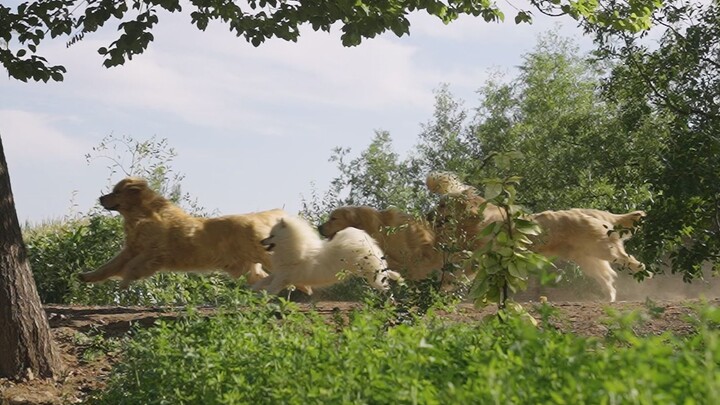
[[269, 352]]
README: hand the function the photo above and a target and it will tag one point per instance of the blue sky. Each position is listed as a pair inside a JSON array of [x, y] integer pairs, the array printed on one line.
[[253, 127]]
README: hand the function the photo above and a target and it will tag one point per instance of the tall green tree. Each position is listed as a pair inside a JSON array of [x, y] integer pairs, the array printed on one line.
[[378, 177], [25, 27], [678, 80], [447, 141], [580, 150]]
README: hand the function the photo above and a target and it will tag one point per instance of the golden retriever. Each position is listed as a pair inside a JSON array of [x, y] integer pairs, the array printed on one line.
[[585, 237], [446, 183], [159, 236], [408, 243], [300, 257]]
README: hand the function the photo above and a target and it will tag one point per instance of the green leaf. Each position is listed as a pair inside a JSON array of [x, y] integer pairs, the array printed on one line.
[[493, 190], [57, 76], [523, 17], [490, 229], [528, 228]]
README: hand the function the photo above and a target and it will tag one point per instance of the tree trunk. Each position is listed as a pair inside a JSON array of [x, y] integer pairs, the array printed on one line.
[[26, 347]]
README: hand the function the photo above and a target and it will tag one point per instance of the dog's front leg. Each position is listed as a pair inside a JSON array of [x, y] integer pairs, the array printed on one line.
[[112, 268], [255, 273], [139, 267]]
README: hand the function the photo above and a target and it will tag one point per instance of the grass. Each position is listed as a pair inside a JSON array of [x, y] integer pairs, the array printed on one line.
[[270, 353]]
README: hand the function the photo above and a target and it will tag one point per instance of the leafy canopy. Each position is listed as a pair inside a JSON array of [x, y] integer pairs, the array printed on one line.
[[26, 26], [676, 84]]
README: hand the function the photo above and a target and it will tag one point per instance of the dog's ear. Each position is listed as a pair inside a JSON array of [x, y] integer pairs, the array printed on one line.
[[370, 219], [393, 217], [136, 184], [352, 216]]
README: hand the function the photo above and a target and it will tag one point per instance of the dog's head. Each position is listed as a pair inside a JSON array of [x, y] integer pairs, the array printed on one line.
[[454, 206], [457, 199], [270, 242], [458, 218], [291, 236], [444, 183], [366, 218], [129, 193]]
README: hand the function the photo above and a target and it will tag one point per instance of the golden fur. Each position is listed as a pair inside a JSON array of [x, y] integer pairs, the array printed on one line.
[[408, 243], [159, 236], [583, 236], [625, 221]]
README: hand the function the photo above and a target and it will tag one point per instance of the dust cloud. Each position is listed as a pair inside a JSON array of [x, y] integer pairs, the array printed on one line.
[[661, 287]]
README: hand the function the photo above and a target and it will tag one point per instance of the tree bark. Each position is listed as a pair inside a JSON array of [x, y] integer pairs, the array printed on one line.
[[26, 346]]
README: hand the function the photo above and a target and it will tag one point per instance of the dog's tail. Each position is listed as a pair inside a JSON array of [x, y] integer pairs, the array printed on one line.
[[444, 183]]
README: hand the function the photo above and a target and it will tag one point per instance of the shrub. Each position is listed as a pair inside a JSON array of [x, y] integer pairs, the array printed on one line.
[[59, 252], [271, 353]]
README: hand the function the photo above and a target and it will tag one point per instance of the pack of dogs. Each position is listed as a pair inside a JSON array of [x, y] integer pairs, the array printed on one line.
[[275, 250]]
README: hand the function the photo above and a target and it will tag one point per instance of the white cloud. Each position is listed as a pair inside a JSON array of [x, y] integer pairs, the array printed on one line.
[[36, 136], [215, 79]]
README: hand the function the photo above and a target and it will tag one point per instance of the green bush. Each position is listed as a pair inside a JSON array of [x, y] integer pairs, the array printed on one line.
[[270, 353], [58, 252]]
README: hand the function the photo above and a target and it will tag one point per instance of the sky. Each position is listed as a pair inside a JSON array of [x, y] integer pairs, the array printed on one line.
[[253, 128]]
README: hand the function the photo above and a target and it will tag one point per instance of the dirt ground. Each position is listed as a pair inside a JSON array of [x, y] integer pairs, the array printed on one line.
[[580, 312]]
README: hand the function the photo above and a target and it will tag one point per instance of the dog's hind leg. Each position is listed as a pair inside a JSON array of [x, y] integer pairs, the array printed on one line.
[[110, 269], [600, 271], [394, 275], [625, 260], [615, 253], [379, 280]]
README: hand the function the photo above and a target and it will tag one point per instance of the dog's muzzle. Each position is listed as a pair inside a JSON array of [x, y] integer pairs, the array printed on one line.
[[269, 245], [104, 203], [320, 230]]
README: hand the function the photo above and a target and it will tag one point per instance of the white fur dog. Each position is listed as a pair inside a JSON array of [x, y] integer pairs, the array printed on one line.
[[301, 257]]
